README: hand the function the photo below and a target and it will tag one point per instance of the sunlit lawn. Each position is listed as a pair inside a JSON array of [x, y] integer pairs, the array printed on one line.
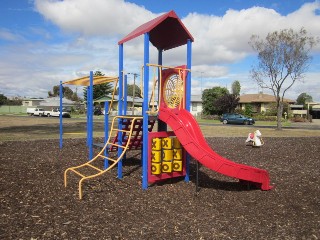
[[257, 124]]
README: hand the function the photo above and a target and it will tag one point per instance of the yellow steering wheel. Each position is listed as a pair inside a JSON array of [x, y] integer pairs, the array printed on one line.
[[173, 90]]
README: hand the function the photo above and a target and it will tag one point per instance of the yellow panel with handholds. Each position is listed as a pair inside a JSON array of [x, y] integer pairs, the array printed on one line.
[[176, 143], [156, 156], [156, 144], [177, 165], [156, 168], [166, 167], [177, 154], [166, 143], [167, 155]]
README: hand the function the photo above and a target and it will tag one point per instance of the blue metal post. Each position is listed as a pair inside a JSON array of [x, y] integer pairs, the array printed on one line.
[[60, 116], [88, 111], [120, 108], [188, 84], [91, 117], [106, 131], [162, 126], [145, 108], [125, 95], [125, 104], [188, 100]]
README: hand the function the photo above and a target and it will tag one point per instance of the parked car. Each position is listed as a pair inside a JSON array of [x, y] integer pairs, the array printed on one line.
[[97, 111], [235, 118], [56, 113], [38, 112]]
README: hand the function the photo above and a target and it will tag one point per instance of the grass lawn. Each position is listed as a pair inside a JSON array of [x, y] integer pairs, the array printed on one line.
[[258, 123], [19, 127]]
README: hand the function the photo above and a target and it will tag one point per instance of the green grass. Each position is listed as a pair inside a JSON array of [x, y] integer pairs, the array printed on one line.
[[258, 123]]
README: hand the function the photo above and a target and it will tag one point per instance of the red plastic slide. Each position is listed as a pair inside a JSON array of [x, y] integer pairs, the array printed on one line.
[[189, 134]]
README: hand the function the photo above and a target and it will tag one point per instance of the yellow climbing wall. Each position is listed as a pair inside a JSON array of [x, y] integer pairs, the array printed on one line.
[[166, 155]]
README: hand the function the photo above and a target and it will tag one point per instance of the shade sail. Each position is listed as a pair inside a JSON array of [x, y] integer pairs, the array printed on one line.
[[85, 81]]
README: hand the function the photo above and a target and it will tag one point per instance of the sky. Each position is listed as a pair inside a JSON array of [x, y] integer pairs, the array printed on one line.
[[43, 42]]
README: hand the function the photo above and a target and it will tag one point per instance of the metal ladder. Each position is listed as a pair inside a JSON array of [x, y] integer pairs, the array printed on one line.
[[100, 155]]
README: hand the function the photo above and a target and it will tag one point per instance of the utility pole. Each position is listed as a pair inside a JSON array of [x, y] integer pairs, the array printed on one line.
[[133, 90], [201, 82]]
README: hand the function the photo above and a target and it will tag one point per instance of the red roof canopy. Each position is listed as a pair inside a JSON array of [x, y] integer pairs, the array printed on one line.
[[166, 32]]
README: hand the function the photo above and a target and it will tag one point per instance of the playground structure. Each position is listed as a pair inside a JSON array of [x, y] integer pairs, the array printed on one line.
[[165, 154]]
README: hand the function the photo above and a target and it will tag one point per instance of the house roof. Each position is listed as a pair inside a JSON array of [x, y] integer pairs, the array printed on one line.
[[166, 32], [296, 106], [196, 98], [33, 99], [116, 99], [55, 102], [260, 98]]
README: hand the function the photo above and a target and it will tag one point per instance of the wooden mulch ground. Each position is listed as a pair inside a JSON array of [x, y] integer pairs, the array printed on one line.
[[36, 205]]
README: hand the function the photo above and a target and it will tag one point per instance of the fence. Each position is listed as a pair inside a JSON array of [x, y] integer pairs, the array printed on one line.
[[12, 109]]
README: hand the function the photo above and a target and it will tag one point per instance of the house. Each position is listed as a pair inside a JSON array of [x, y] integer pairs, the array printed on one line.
[[134, 105], [260, 102], [196, 105], [297, 110], [31, 102], [48, 103], [314, 109], [55, 102]]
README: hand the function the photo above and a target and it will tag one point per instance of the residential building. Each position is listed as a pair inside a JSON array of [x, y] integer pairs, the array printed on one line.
[[195, 109], [297, 110], [48, 103], [315, 109], [260, 102], [134, 106], [31, 102], [196, 105]]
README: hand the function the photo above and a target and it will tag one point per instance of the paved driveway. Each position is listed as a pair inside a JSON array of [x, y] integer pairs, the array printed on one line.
[[307, 125], [316, 121]]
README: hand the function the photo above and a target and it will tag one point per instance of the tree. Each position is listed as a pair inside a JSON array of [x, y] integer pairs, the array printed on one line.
[[304, 98], [235, 88], [209, 96], [99, 90], [3, 99], [226, 103], [137, 90], [66, 91], [283, 58], [248, 109]]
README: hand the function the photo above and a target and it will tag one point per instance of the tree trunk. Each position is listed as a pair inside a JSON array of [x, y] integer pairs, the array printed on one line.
[[279, 115]]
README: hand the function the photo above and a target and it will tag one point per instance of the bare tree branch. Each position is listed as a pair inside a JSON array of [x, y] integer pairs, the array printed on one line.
[[283, 58]]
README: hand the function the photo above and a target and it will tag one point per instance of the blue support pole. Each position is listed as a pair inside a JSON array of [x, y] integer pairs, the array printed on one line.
[[145, 108], [125, 103], [188, 85], [188, 100], [162, 126], [120, 108], [106, 131], [88, 111], [91, 118], [125, 95], [60, 116]]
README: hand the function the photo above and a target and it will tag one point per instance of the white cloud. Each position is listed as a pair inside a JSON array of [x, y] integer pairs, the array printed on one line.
[[225, 39], [7, 35], [94, 27], [217, 39], [94, 17]]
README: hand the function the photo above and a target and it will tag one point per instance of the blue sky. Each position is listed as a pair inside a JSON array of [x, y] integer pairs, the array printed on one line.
[[45, 41]]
